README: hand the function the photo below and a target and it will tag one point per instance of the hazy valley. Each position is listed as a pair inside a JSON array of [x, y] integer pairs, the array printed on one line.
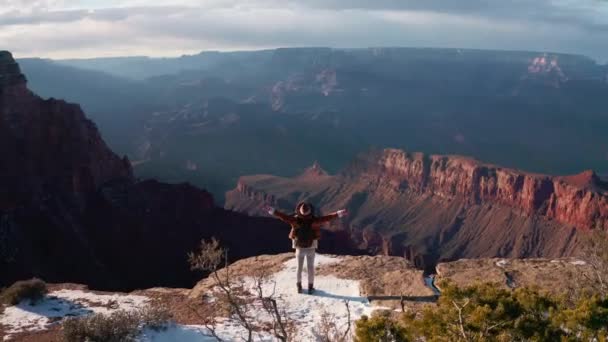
[[214, 117]]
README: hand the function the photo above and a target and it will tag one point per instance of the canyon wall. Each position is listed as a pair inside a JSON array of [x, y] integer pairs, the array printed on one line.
[[433, 208], [580, 201], [48, 146]]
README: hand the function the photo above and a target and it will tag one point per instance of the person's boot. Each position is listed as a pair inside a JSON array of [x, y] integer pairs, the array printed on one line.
[[299, 285], [311, 289]]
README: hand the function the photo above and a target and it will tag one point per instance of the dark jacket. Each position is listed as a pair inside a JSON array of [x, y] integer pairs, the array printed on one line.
[[296, 221]]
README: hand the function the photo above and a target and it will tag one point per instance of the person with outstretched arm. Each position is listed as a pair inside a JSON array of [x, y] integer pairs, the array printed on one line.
[[305, 234]]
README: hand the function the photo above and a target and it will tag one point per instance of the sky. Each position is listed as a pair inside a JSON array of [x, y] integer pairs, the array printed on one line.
[[103, 28]]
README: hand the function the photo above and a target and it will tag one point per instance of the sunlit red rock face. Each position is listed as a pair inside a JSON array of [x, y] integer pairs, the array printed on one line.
[[430, 207], [580, 200]]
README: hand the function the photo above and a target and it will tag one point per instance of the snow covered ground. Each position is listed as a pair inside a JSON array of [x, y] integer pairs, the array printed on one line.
[[63, 303], [306, 310]]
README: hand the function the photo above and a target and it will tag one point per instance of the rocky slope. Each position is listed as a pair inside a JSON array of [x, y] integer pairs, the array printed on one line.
[[71, 210], [432, 207]]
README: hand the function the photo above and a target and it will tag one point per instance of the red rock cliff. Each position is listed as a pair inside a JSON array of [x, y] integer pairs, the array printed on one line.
[[48, 146], [580, 201]]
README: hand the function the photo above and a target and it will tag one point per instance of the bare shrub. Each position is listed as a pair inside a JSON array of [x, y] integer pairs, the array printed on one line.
[[328, 330], [155, 317], [233, 298], [209, 257], [120, 326], [282, 326], [33, 290], [595, 252], [117, 327]]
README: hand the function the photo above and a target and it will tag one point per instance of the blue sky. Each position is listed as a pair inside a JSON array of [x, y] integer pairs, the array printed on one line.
[[90, 28]]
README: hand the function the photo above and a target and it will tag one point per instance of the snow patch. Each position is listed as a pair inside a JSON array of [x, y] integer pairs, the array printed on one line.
[[306, 310], [64, 303], [101, 303], [186, 333], [578, 262], [502, 263]]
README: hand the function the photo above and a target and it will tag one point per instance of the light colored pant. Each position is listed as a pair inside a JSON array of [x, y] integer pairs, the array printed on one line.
[[315, 244], [309, 254]]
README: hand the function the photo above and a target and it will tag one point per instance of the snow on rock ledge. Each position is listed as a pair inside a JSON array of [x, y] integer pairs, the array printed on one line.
[[339, 279], [57, 305], [306, 310]]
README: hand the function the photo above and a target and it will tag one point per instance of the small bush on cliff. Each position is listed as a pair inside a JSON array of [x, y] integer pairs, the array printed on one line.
[[488, 313], [117, 327], [380, 327], [595, 252], [155, 317], [33, 290]]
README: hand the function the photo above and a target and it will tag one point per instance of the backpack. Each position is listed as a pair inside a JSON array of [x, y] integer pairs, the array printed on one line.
[[305, 235]]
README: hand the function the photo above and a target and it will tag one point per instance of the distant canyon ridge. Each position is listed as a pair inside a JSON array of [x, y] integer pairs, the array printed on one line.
[[439, 207], [213, 117]]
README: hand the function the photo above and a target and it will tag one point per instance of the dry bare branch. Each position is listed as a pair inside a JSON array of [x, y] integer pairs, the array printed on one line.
[[347, 304], [236, 299], [328, 331], [460, 319]]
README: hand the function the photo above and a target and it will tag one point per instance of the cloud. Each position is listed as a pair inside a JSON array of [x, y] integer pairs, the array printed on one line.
[[17, 18], [85, 28], [16, 6]]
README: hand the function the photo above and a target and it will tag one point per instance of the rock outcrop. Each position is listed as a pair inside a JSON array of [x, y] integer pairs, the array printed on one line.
[[557, 276], [314, 171], [394, 276], [431, 207], [48, 147]]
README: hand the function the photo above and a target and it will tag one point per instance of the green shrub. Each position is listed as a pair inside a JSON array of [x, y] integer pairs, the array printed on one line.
[[379, 328], [33, 290], [487, 312], [120, 326]]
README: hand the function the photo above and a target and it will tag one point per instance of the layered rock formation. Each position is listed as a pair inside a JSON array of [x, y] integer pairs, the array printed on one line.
[[431, 207], [580, 200], [71, 211], [48, 146]]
